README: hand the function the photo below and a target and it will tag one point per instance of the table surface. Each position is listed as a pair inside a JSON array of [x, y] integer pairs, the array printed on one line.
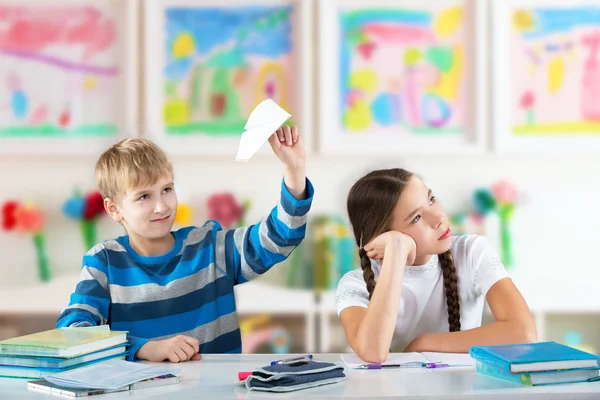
[[215, 377]]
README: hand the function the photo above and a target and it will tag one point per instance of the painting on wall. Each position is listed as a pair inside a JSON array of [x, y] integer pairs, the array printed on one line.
[[66, 75], [208, 66], [547, 76], [401, 76]]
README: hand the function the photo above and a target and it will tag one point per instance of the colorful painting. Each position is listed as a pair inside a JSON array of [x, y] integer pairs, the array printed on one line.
[[555, 70], [59, 71], [403, 70], [222, 61], [404, 73]]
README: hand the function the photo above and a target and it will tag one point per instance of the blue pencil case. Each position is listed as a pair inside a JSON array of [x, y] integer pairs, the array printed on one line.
[[295, 376]]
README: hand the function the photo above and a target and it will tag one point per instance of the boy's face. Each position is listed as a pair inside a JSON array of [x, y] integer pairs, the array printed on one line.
[[148, 211]]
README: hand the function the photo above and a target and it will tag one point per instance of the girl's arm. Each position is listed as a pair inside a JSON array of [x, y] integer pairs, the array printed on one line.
[[370, 330], [514, 324]]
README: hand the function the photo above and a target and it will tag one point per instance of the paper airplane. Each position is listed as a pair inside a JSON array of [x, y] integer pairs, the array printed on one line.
[[263, 121]]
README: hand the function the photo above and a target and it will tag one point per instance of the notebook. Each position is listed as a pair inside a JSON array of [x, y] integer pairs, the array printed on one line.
[[352, 361], [532, 357], [542, 377], [63, 342], [55, 362], [82, 392]]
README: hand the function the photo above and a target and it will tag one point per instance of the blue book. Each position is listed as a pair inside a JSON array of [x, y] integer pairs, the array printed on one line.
[[542, 377], [41, 373], [532, 357]]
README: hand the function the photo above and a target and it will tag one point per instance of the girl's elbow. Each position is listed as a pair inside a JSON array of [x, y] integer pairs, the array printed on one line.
[[372, 355]]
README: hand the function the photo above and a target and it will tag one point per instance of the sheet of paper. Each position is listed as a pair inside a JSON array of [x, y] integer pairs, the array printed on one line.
[[353, 361], [265, 119], [111, 374], [452, 359]]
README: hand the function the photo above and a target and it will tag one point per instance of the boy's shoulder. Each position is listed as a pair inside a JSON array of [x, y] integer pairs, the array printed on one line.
[[191, 235]]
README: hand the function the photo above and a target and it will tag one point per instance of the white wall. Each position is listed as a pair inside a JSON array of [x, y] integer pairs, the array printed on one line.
[[556, 229]]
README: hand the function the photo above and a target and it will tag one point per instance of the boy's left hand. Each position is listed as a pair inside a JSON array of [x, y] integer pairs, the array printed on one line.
[[288, 147]]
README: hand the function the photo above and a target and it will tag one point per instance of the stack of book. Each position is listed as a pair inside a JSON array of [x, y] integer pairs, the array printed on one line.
[[534, 364], [45, 353]]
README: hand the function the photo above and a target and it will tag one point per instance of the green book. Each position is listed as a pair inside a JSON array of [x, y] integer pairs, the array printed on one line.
[[63, 342]]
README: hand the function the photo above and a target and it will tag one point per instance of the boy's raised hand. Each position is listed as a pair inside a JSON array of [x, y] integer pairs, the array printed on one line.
[[288, 146], [176, 349]]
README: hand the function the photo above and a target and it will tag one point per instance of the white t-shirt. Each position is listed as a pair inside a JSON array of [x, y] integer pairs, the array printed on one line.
[[423, 306]]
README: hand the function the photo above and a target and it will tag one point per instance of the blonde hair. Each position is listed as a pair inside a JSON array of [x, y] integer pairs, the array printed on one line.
[[129, 164]]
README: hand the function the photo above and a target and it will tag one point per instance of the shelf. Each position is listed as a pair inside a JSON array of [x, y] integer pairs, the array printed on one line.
[[251, 297], [258, 297]]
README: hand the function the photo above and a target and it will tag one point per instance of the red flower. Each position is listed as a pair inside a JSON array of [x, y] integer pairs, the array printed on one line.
[[94, 205], [29, 219], [527, 100], [8, 215], [223, 207]]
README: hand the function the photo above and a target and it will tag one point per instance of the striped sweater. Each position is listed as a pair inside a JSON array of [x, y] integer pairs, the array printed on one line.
[[188, 291]]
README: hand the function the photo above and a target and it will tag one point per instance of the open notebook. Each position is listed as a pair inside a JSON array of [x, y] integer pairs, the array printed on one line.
[[352, 361]]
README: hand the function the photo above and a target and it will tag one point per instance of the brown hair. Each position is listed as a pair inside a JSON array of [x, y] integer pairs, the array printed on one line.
[[371, 202], [129, 164]]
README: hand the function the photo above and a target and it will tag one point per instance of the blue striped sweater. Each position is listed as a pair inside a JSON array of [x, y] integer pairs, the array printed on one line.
[[188, 291]]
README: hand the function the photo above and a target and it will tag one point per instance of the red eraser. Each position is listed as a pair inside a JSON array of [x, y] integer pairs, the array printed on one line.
[[243, 375]]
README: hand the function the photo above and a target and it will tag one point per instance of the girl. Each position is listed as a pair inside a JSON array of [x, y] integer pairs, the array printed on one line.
[[421, 289]]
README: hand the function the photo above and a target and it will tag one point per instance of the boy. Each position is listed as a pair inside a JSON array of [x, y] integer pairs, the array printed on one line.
[[173, 291]]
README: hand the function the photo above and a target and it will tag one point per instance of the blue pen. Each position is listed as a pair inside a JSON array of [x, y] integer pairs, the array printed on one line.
[[292, 360]]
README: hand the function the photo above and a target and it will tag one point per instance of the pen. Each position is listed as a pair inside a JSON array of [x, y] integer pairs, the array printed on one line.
[[290, 360], [380, 366], [436, 365]]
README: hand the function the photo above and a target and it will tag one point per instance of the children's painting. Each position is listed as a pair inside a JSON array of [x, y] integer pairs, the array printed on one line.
[[222, 62], [216, 63], [61, 70], [556, 70], [403, 71], [552, 55]]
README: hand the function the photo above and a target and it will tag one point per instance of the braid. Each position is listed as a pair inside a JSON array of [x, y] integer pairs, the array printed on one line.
[[368, 275], [451, 288]]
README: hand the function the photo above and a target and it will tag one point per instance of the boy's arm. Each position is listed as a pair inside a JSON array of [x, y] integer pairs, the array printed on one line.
[[246, 252], [90, 303]]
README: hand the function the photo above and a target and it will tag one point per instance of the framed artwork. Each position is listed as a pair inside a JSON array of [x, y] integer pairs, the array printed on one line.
[[67, 75], [546, 76], [209, 64], [403, 76]]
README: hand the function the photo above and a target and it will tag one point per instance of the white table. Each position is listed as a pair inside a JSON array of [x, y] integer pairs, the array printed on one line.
[[215, 377]]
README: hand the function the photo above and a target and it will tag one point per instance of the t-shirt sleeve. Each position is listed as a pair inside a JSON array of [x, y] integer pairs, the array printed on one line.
[[351, 291], [486, 266]]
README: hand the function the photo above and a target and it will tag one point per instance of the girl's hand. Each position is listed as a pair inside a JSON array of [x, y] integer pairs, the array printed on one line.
[[376, 248]]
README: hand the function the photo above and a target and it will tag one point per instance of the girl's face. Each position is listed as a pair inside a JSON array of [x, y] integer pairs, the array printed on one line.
[[419, 215]]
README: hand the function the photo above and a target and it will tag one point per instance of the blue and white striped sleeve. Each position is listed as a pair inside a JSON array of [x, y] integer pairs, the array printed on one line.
[[246, 252], [90, 302]]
